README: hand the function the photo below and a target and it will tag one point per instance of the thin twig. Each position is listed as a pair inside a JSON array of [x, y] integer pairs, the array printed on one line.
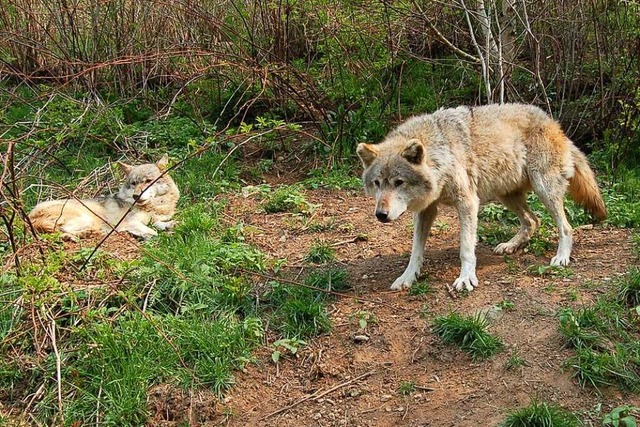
[[316, 395]]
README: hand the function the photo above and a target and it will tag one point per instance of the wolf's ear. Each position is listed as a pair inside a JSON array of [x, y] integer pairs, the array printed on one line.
[[367, 153], [163, 162], [414, 151], [125, 168]]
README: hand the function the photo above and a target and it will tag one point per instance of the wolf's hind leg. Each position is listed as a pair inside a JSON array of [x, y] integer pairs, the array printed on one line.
[[422, 222], [550, 190], [517, 203]]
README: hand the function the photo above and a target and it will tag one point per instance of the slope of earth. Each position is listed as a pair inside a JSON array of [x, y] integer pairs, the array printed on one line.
[[341, 380]]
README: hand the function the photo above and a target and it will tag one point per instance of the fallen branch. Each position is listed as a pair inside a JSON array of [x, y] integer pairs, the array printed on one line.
[[316, 396]]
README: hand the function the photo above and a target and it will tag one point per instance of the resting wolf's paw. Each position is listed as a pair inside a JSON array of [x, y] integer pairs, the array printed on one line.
[[465, 283], [403, 282], [164, 225], [560, 261]]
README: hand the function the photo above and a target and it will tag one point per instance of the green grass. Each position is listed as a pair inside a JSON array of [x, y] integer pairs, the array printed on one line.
[[469, 333], [605, 338], [407, 388], [320, 253], [515, 360], [287, 198], [421, 287], [540, 415]]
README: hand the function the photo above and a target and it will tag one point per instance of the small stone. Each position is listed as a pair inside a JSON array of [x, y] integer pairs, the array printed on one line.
[[400, 409], [317, 416], [385, 397], [360, 338], [364, 276]]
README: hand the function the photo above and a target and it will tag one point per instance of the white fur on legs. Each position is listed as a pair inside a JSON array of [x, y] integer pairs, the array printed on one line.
[[164, 225], [468, 214], [422, 222], [551, 194]]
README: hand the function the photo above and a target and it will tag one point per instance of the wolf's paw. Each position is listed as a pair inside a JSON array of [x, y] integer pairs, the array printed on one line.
[[465, 283], [403, 282], [506, 248], [560, 261], [164, 225]]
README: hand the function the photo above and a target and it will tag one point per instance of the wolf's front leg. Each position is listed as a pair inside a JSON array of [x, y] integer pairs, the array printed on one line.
[[138, 229], [468, 214], [422, 222], [164, 225]]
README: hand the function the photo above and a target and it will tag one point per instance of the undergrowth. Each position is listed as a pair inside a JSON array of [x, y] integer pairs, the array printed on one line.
[[540, 414]]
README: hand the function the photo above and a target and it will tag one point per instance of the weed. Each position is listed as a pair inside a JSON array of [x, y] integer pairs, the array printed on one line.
[[407, 388], [515, 360], [321, 226], [622, 416], [540, 415], [544, 270], [421, 287], [469, 333], [287, 199], [289, 345], [506, 305], [441, 225], [364, 318], [320, 253]]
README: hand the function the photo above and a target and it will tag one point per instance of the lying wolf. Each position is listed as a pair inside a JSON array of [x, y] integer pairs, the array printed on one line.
[[148, 196], [467, 156]]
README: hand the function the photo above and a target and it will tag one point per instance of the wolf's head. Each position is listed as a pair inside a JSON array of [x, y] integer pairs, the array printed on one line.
[[397, 174], [146, 182]]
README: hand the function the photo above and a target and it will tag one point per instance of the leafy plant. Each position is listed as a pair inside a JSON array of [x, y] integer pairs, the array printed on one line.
[[622, 416], [287, 199], [407, 388], [290, 345]]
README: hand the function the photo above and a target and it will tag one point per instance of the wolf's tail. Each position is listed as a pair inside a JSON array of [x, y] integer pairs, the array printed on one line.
[[583, 187]]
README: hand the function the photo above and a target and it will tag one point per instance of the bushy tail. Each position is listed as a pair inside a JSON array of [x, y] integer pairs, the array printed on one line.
[[583, 187], [41, 221]]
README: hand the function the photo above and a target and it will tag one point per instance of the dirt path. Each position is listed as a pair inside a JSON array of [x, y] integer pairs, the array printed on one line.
[[338, 381]]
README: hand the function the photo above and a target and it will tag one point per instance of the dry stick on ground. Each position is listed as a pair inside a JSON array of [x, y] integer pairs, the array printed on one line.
[[316, 395]]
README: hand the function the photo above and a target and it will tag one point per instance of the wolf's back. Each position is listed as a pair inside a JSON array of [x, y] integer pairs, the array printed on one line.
[[583, 186]]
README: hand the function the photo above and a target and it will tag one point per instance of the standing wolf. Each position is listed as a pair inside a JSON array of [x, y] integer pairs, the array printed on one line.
[[467, 156], [148, 196]]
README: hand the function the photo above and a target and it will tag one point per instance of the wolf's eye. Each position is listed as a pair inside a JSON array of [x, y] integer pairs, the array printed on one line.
[[398, 182], [377, 183]]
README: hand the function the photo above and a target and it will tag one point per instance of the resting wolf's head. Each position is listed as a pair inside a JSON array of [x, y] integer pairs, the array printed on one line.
[[396, 173], [146, 182]]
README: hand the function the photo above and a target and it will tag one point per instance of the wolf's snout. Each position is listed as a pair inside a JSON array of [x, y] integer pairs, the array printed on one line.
[[383, 216]]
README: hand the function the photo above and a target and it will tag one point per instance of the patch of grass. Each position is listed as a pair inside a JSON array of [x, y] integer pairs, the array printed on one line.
[[628, 292], [320, 253], [407, 388], [340, 177], [506, 305], [515, 360], [287, 199], [421, 287], [545, 270], [605, 339], [329, 278], [540, 415], [297, 312], [469, 333], [364, 318]]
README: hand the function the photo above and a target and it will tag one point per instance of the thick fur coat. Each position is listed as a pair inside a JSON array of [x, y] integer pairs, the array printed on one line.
[[467, 156]]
